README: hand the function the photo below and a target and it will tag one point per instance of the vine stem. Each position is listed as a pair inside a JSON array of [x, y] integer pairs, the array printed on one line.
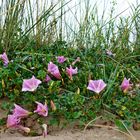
[[130, 136]]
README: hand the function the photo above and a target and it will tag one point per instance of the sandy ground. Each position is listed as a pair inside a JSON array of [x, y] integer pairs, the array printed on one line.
[[93, 133], [90, 134]]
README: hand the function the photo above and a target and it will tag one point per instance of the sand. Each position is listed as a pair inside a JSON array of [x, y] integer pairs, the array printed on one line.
[[69, 133]]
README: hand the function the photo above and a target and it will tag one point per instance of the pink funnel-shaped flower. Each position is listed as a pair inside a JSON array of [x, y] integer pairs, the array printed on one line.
[[30, 84], [61, 59], [4, 59], [70, 71], [12, 121], [125, 86], [41, 109], [96, 85], [20, 112], [53, 69], [48, 78]]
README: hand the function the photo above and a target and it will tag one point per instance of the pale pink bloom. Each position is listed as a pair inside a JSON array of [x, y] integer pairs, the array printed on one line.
[[53, 106], [25, 129], [76, 60], [12, 121], [109, 53], [53, 69], [61, 59], [41, 109], [30, 84], [45, 133], [48, 78], [4, 58], [20, 112], [96, 85], [70, 71], [125, 86]]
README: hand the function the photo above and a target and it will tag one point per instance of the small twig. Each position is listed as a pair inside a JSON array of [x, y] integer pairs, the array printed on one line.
[[91, 122], [25, 69]]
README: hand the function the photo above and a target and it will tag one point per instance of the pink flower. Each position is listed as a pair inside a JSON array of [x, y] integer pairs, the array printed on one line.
[[30, 84], [125, 86], [45, 133], [25, 129], [61, 59], [12, 121], [53, 69], [47, 79], [4, 59], [76, 60], [96, 85], [70, 71], [41, 109], [20, 112]]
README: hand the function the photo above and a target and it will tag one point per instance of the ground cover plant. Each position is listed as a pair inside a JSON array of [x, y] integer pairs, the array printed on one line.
[[57, 73]]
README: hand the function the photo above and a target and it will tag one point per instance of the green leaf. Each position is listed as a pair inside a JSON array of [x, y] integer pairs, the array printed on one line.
[[120, 125], [41, 74], [76, 115]]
